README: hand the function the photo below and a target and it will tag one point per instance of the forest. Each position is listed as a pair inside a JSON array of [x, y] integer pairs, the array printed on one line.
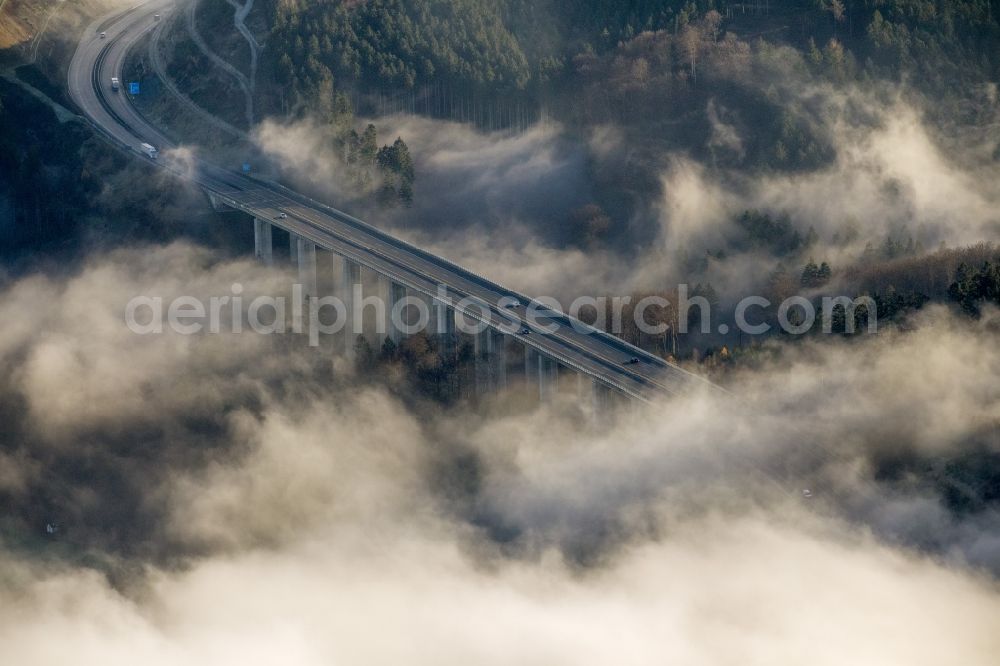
[[503, 46]]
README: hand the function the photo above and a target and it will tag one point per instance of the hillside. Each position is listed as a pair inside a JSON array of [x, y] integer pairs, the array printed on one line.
[[44, 31], [497, 47]]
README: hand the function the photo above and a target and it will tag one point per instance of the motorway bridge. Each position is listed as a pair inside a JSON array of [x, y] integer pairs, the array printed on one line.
[[552, 341]]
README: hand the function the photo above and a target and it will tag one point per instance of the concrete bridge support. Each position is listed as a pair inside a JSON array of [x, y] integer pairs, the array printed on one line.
[[530, 364], [481, 362], [446, 330], [490, 349], [305, 254], [263, 242], [600, 398], [498, 360], [293, 248], [350, 280], [394, 293], [548, 373]]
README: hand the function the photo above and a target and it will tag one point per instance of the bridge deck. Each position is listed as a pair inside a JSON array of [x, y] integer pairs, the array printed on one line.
[[573, 344]]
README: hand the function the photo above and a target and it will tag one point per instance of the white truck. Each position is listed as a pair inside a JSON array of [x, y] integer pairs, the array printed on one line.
[[149, 151], [114, 83]]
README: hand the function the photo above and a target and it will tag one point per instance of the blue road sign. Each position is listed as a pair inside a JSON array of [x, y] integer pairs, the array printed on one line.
[[133, 88], [246, 167]]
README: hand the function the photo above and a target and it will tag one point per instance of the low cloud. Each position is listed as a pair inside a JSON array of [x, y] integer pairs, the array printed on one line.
[[503, 204], [305, 150], [243, 505], [784, 595], [890, 176], [893, 175], [490, 178]]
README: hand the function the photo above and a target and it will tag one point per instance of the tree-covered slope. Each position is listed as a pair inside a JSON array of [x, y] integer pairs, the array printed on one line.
[[317, 49], [396, 43]]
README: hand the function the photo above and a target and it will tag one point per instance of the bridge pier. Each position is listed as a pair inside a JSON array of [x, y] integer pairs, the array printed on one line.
[[293, 248], [498, 360], [481, 362], [394, 293], [349, 282], [490, 357], [444, 328], [600, 398], [530, 365], [541, 370], [263, 242], [548, 373], [305, 253]]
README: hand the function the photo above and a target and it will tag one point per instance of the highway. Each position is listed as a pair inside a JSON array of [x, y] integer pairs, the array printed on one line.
[[596, 354]]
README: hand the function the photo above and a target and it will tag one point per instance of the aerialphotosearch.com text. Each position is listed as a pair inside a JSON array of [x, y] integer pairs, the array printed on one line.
[[410, 314]]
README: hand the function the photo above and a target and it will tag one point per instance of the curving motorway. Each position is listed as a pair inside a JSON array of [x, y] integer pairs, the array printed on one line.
[[598, 355]]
